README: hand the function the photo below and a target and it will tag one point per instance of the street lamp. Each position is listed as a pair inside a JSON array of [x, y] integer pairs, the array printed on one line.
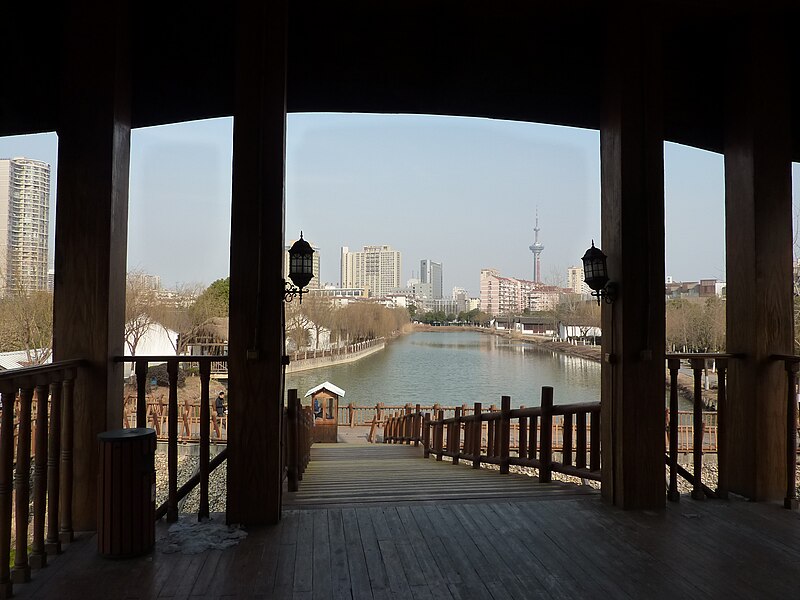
[[595, 272], [301, 269]]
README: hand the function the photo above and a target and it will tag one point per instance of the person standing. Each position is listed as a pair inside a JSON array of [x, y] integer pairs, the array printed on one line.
[[220, 404]]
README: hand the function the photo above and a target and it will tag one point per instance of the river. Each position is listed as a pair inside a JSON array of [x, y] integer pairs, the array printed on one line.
[[453, 368]]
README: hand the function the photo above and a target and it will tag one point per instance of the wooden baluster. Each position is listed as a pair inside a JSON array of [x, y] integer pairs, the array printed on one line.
[[205, 437], [580, 441], [65, 532], [52, 544], [292, 441], [476, 436], [722, 448], [6, 491], [594, 441], [674, 365], [440, 444], [38, 558], [697, 424], [533, 435], [186, 417], [566, 446], [522, 447], [141, 388], [21, 573], [490, 434], [417, 424], [504, 436], [351, 414], [456, 435], [172, 442], [790, 501], [546, 450], [426, 435]]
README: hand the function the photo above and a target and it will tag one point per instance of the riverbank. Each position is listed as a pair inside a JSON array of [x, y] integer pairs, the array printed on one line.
[[327, 358], [594, 353]]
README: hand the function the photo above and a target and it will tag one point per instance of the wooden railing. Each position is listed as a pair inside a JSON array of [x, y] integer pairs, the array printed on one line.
[[404, 426], [698, 363], [189, 419], [298, 433], [44, 394], [461, 437], [341, 351], [207, 465]]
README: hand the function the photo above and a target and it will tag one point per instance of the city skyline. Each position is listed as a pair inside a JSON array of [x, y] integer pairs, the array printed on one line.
[[462, 190]]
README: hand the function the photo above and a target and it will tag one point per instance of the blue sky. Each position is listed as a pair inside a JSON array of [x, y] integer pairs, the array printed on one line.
[[460, 191]]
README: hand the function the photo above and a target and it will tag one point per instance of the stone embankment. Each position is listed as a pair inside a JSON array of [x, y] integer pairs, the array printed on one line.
[[305, 361]]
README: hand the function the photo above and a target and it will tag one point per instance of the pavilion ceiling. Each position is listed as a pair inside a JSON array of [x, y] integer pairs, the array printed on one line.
[[530, 61]]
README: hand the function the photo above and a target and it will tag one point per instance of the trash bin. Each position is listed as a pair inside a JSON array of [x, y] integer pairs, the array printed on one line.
[[126, 492]]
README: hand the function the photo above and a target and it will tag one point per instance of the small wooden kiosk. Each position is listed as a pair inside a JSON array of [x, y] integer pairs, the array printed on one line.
[[325, 406]]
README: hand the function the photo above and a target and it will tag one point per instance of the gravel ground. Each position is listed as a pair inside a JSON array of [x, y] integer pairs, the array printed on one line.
[[188, 466]]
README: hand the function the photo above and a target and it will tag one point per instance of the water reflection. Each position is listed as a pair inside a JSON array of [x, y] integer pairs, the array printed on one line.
[[453, 368]]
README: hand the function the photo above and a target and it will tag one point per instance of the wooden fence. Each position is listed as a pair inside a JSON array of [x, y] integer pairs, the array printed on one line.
[[298, 433], [52, 386]]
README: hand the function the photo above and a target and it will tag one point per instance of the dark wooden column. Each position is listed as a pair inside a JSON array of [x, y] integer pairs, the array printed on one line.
[[92, 227], [632, 177], [256, 329], [758, 214]]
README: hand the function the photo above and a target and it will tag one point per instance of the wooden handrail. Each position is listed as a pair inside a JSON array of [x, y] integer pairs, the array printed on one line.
[[205, 420], [535, 440], [698, 364], [42, 394]]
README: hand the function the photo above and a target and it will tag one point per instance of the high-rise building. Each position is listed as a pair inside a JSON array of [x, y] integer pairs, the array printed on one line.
[[314, 283], [24, 224], [575, 281], [431, 272], [509, 295], [376, 268], [537, 247]]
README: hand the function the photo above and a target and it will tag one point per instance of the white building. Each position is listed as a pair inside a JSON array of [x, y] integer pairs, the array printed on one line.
[[24, 224], [376, 268], [575, 281]]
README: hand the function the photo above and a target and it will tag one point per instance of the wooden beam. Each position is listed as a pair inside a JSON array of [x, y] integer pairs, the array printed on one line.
[[758, 214], [632, 176], [257, 242], [92, 227]]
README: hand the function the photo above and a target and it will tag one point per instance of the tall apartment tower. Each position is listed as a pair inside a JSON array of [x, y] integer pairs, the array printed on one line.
[[24, 224], [431, 272], [375, 268], [536, 248]]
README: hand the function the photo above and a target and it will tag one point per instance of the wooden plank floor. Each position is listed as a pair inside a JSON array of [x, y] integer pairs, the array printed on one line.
[[354, 475], [435, 545]]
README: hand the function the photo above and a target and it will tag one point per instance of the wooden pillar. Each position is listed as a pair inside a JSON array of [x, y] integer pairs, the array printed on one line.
[[257, 242], [632, 177], [92, 227], [758, 232]]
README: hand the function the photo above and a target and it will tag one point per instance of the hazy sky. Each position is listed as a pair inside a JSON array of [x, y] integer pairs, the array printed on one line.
[[460, 191]]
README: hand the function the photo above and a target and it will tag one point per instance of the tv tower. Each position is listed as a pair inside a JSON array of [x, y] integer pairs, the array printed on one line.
[[536, 248]]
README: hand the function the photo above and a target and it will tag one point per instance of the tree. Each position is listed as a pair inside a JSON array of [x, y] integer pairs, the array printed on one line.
[[140, 309], [189, 319], [27, 324], [319, 312]]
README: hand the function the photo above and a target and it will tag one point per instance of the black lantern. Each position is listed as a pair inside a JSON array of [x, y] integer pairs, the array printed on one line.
[[301, 269], [595, 274]]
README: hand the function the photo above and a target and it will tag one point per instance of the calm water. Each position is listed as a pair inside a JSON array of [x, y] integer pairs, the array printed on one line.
[[453, 368]]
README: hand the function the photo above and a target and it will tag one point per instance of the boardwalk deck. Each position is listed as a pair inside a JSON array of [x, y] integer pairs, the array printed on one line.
[[431, 542], [355, 475]]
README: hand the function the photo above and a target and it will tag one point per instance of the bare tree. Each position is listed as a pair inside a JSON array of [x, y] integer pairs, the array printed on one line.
[[140, 309], [27, 324]]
